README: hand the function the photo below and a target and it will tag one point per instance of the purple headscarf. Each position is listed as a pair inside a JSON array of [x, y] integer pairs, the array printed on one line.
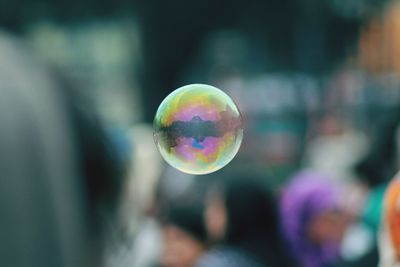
[[307, 195]]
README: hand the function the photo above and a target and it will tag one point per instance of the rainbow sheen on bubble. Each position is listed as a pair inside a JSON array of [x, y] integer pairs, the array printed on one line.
[[198, 129]]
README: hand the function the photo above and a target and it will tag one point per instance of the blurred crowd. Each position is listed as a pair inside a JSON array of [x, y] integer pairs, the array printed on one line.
[[313, 185]]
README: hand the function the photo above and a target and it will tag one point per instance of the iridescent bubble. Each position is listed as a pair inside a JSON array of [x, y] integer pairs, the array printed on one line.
[[198, 129]]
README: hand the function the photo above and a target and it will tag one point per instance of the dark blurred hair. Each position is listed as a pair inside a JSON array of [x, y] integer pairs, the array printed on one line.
[[188, 217], [252, 217], [379, 165]]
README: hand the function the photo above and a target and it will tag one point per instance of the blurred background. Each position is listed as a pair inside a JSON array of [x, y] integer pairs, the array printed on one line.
[[317, 82]]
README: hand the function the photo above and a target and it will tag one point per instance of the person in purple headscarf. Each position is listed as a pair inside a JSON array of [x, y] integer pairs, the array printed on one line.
[[313, 219]]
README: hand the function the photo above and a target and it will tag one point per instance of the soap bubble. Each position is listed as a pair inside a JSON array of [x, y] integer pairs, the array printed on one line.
[[198, 129]]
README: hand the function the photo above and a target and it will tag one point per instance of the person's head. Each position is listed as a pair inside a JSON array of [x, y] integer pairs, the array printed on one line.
[[241, 213], [184, 235], [313, 218]]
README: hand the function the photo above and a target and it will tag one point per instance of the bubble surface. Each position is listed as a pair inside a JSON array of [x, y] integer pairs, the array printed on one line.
[[198, 129]]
